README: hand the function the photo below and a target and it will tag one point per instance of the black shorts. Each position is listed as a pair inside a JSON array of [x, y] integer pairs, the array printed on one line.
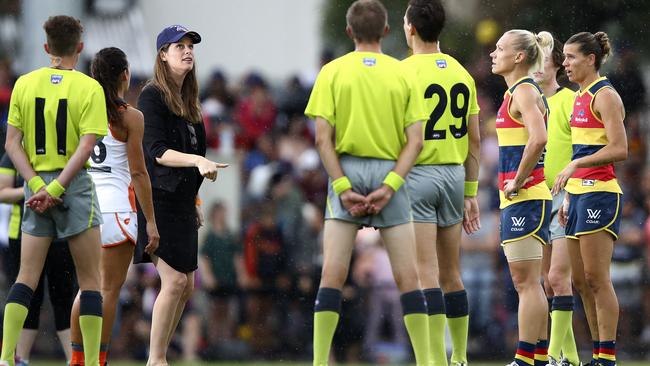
[[61, 281], [179, 239]]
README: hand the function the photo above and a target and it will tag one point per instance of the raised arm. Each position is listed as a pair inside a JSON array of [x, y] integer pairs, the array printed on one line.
[[155, 138]]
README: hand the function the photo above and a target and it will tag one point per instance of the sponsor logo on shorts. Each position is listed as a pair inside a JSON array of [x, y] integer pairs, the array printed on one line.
[[127, 220], [593, 216], [518, 223], [588, 182]]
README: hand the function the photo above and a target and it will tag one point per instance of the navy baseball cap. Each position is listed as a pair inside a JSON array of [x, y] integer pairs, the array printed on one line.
[[174, 33]]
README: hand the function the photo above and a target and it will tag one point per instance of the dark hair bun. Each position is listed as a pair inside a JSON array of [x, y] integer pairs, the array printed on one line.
[[603, 40]]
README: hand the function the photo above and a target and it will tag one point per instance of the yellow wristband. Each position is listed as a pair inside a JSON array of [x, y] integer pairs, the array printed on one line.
[[55, 189], [341, 185], [471, 189], [36, 183], [393, 180]]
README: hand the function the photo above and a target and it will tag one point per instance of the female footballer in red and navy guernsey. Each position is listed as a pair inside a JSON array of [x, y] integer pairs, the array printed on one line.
[[592, 207]]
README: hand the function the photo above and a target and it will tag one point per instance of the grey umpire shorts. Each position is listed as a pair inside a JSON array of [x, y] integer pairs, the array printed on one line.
[[437, 193], [366, 175], [557, 231], [78, 212]]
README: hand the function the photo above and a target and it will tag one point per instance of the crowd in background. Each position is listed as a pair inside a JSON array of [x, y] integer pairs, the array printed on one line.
[[256, 285]]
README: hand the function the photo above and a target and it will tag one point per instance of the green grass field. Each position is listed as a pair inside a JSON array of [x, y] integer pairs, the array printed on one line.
[[36, 363]]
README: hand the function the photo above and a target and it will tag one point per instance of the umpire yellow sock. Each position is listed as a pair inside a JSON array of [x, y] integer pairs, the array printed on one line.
[[326, 318], [437, 323], [90, 322], [561, 316], [457, 308], [415, 319], [569, 349], [16, 310]]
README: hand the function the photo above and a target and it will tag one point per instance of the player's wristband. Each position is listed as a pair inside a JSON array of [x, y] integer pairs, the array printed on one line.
[[393, 180], [36, 183], [471, 189], [55, 189], [198, 202], [341, 185]]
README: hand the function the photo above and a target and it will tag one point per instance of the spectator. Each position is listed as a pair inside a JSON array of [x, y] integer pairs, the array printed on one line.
[[221, 271], [265, 267], [373, 271], [216, 107], [255, 113]]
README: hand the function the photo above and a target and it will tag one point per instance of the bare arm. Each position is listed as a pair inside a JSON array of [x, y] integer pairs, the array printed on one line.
[[472, 162], [9, 194], [78, 159], [471, 213], [380, 197], [352, 201], [141, 183], [326, 149], [209, 281], [139, 176], [410, 151], [14, 147], [526, 102], [610, 107], [176, 159]]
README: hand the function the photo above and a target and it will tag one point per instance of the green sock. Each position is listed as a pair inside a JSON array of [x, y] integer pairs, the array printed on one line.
[[458, 328], [324, 327], [91, 331], [14, 319], [560, 324], [417, 327], [437, 323], [569, 350], [90, 322], [437, 349], [457, 308], [562, 330]]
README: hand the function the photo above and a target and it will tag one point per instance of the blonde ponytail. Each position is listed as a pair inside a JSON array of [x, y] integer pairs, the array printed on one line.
[[535, 46]]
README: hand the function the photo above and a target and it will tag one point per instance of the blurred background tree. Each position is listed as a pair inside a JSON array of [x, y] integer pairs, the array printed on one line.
[[472, 23]]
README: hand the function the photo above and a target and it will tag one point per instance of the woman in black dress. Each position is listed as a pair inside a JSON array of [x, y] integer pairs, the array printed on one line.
[[174, 146]]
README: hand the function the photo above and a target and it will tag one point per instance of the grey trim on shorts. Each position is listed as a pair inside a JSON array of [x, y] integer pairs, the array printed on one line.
[[437, 193], [556, 230], [366, 175], [78, 212]]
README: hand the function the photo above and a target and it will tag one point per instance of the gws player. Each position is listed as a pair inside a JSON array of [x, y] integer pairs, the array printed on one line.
[[118, 170]]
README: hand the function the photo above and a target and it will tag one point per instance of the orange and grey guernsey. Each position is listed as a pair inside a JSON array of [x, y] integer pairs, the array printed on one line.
[[513, 136], [588, 136]]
